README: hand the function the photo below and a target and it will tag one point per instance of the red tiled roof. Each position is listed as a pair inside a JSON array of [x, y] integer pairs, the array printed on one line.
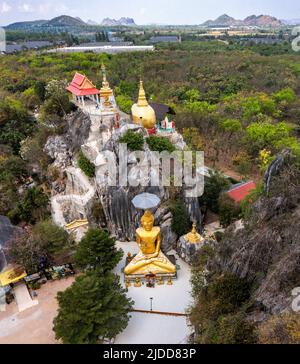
[[239, 192], [86, 92], [77, 86]]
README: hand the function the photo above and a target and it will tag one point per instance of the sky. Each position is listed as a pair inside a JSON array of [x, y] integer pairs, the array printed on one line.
[[146, 11]]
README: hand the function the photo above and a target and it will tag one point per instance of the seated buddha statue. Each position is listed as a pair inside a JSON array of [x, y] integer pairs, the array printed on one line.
[[150, 259]]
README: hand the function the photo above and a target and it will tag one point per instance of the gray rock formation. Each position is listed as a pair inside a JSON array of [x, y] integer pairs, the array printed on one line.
[[186, 250], [7, 232], [99, 141], [267, 250]]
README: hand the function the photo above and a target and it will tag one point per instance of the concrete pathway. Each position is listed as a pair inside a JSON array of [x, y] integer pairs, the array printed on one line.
[[23, 298]]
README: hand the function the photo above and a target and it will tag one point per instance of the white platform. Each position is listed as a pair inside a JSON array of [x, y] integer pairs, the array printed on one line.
[[146, 328]]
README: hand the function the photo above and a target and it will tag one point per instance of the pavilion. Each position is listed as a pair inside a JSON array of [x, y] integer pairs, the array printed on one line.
[[81, 87]]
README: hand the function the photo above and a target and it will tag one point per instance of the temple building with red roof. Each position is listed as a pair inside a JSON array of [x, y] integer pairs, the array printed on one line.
[[239, 191], [86, 94], [81, 87]]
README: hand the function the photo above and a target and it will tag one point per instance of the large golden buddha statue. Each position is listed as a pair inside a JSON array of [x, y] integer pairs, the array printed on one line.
[[150, 259], [142, 112]]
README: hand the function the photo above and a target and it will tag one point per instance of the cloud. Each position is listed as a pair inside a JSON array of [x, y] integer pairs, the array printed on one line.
[[25, 8], [4, 8], [47, 8], [143, 11]]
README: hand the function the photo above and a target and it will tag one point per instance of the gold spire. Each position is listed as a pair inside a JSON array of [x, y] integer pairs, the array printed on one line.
[[105, 84], [142, 101], [105, 92], [193, 237]]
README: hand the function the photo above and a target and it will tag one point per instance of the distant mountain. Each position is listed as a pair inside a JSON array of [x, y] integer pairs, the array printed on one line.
[[121, 21], [26, 24], [223, 20], [92, 22], [291, 22], [65, 21], [262, 21], [60, 21], [253, 20]]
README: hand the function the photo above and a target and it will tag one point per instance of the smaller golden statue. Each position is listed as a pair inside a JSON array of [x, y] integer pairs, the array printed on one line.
[[160, 281], [137, 283], [170, 282], [193, 237], [150, 259]]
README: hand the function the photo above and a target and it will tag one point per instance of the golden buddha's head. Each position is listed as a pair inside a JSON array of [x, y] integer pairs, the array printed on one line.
[[147, 221]]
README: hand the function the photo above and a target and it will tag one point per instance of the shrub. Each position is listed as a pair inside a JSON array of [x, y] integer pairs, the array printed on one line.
[[281, 329], [160, 144], [87, 167], [180, 221], [125, 103], [215, 184], [32, 208], [218, 312], [228, 210], [134, 141]]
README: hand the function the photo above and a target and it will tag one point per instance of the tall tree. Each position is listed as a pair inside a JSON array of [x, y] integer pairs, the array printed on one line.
[[94, 308], [97, 250]]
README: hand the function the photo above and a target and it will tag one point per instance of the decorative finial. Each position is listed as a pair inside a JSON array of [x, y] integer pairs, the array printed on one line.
[[103, 69], [142, 101]]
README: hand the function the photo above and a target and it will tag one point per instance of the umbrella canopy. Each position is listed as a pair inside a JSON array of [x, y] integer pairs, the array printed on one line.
[[146, 201]]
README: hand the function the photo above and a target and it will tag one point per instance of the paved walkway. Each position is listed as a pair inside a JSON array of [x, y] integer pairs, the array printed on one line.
[[23, 298]]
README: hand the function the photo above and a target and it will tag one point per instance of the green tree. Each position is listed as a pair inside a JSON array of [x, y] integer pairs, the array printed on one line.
[[215, 184], [97, 250], [160, 144], [286, 95], [134, 141], [57, 100], [94, 308], [87, 167], [41, 244], [180, 219], [32, 207], [125, 103], [228, 210]]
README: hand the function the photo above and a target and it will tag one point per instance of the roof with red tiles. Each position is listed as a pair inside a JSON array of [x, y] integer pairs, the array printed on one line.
[[241, 190], [82, 86]]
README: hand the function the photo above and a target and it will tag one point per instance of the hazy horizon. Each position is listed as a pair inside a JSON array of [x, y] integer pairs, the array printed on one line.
[[177, 12]]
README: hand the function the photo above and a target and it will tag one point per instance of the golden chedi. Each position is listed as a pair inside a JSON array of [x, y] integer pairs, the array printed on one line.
[[142, 112], [150, 259], [193, 237]]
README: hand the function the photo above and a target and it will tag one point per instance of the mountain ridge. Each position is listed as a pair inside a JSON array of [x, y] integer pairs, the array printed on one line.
[[252, 20]]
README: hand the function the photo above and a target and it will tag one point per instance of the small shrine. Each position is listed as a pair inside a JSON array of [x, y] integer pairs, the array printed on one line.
[[188, 244], [90, 99], [166, 126], [82, 88]]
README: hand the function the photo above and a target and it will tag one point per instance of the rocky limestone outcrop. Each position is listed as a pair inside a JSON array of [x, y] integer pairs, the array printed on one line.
[[267, 250], [99, 141]]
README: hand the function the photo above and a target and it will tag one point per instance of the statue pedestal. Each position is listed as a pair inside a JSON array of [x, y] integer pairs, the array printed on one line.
[[187, 250], [144, 273]]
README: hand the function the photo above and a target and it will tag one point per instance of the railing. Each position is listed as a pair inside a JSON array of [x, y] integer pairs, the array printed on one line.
[[176, 314]]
